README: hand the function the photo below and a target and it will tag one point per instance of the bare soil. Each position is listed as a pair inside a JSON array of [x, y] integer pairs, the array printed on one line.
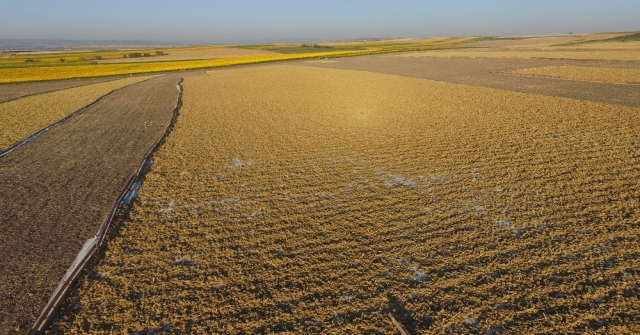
[[57, 189], [301, 200], [492, 72], [456, 208], [10, 92], [607, 75], [23, 117]]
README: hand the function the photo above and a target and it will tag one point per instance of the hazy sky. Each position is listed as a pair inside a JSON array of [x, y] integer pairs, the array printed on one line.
[[253, 21]]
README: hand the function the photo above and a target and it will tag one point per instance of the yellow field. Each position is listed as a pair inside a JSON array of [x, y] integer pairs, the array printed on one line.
[[298, 199], [10, 75], [23, 117], [192, 54], [14, 69], [580, 55], [608, 75], [54, 57]]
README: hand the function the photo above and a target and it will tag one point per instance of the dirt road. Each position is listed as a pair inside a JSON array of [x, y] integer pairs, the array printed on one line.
[[57, 190]]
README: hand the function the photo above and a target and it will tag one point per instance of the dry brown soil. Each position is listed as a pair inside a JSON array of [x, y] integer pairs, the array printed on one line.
[[492, 72], [601, 74], [295, 200], [23, 117], [10, 92], [457, 208], [57, 189]]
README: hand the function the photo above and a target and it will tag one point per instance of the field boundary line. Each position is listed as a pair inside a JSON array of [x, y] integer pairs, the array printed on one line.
[[560, 78], [53, 125], [93, 244]]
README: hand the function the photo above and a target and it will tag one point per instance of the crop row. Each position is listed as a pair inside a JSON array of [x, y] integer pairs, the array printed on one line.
[[301, 200]]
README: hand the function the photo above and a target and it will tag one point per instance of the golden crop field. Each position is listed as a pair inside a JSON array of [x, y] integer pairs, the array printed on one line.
[[85, 55], [83, 65], [192, 54], [301, 200], [603, 74], [23, 117], [579, 55], [9, 75]]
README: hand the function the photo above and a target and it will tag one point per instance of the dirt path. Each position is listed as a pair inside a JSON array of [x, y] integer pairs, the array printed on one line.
[[488, 72], [57, 190]]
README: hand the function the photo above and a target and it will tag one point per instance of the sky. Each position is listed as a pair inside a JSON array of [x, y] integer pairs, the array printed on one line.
[[266, 21]]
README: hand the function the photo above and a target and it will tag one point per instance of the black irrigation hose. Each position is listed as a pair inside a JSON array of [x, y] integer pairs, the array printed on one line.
[[94, 244], [39, 132]]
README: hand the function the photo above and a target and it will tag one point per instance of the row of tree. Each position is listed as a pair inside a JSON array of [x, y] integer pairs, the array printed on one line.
[[317, 46], [140, 54]]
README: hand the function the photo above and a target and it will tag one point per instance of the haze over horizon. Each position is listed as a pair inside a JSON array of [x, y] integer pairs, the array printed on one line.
[[247, 21]]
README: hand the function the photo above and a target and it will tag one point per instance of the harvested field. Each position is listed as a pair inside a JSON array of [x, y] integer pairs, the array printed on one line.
[[194, 54], [602, 46], [44, 73], [23, 117], [542, 41], [578, 55], [10, 92], [607, 75], [523, 42], [57, 189], [495, 73], [82, 65], [300, 200]]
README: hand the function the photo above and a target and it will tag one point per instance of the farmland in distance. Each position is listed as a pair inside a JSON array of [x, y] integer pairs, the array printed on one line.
[[626, 55], [28, 67], [298, 199]]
